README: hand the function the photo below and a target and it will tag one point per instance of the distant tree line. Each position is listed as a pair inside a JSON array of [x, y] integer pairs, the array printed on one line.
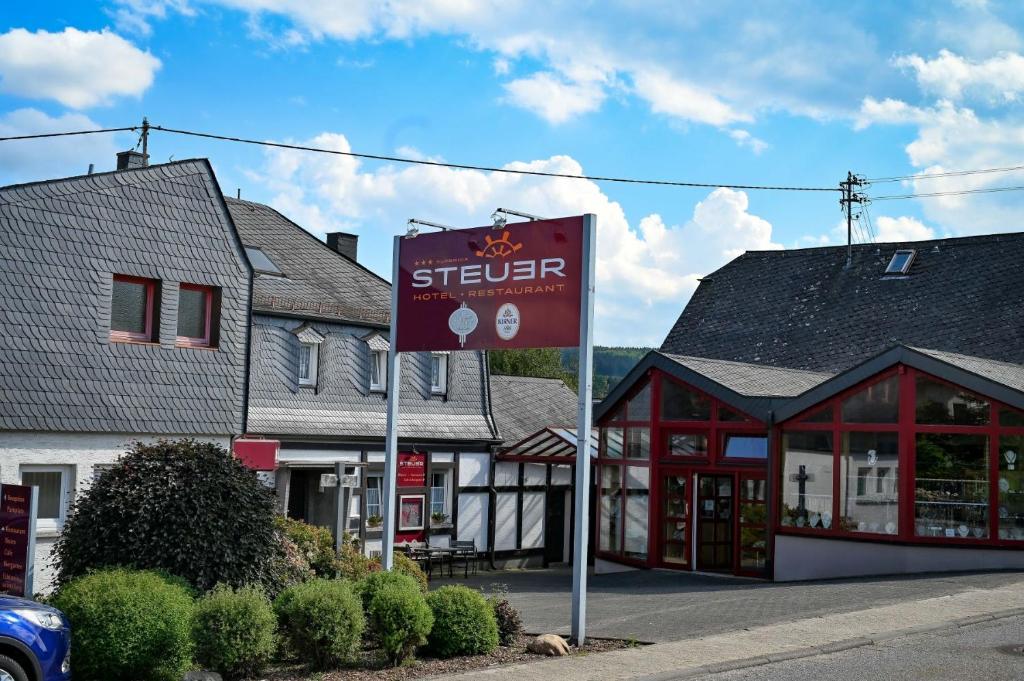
[[611, 364]]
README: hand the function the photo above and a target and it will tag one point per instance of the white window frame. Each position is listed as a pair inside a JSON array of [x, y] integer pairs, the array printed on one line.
[[445, 490], [380, 495], [423, 510], [439, 382], [380, 361], [314, 363], [52, 525], [891, 268]]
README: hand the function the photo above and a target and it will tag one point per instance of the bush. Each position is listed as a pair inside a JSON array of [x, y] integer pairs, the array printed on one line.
[[399, 618], [315, 543], [233, 631], [509, 623], [464, 623], [289, 567], [128, 626], [322, 621], [186, 507], [353, 564], [375, 582]]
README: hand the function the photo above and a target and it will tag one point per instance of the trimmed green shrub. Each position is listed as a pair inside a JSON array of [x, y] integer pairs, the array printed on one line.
[[287, 568], [399, 618], [509, 623], [322, 621], [353, 564], [128, 626], [187, 507], [407, 566], [375, 582], [233, 631], [315, 543], [464, 623]]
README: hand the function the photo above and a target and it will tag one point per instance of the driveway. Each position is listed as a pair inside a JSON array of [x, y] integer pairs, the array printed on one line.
[[659, 606]]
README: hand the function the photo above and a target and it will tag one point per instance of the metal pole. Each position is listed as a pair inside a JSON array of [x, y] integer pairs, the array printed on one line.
[[340, 507], [583, 425], [30, 559], [391, 433]]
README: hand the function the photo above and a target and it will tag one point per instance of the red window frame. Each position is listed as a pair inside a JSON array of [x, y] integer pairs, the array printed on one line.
[[147, 335], [205, 340]]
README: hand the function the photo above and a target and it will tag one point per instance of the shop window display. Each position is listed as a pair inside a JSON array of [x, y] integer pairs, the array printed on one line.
[[1011, 488], [807, 464], [951, 486]]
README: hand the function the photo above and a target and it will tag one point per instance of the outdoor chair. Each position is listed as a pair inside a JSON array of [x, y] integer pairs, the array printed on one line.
[[465, 551]]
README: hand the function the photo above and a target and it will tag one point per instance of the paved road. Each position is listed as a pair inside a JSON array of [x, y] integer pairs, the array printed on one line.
[[653, 605], [980, 651]]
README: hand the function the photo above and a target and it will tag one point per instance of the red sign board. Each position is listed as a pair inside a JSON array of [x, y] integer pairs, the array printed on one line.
[[259, 455], [15, 516], [412, 469], [517, 286]]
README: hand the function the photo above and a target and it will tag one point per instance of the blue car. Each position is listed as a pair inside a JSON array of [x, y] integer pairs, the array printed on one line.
[[35, 641]]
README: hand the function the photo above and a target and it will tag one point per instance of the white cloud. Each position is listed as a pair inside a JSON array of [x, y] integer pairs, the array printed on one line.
[[669, 95], [553, 99], [645, 273], [997, 80], [501, 66], [745, 139], [902, 228], [42, 159], [79, 69], [134, 16]]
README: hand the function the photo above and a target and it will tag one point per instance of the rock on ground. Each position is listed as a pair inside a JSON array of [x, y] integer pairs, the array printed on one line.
[[548, 644]]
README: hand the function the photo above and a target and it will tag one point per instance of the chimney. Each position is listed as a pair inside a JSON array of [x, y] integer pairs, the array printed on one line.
[[126, 160], [344, 243]]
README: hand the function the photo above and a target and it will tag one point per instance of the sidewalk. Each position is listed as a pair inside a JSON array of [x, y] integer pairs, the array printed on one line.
[[760, 645]]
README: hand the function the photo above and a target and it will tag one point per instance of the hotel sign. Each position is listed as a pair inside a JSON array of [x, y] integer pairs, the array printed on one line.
[[517, 286], [17, 540]]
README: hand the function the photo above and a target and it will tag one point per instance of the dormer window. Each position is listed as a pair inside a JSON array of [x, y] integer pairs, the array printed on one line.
[[378, 370], [439, 373], [309, 354], [901, 261]]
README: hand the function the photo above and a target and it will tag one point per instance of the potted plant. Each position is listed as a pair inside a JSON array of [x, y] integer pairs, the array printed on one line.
[[374, 521], [438, 518]]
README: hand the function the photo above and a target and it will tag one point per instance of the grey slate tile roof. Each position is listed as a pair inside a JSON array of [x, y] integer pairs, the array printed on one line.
[[522, 406], [63, 240], [1010, 375], [317, 282], [802, 309], [753, 380]]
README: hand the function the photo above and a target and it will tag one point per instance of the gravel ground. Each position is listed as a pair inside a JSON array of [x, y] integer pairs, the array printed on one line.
[[423, 667]]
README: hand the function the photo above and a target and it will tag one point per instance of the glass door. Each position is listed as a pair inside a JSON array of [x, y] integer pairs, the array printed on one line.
[[715, 522], [675, 520], [753, 529]]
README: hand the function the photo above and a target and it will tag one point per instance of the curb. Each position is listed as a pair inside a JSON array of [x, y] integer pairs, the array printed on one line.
[[829, 648]]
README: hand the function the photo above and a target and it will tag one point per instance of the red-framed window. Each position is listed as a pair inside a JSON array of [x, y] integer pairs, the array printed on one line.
[[134, 305], [197, 316], [905, 456]]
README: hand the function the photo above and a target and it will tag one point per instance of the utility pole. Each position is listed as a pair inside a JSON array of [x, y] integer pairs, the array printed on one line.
[[850, 197], [145, 140]]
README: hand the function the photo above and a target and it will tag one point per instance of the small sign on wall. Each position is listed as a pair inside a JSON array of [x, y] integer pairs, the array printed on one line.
[[412, 469], [17, 539]]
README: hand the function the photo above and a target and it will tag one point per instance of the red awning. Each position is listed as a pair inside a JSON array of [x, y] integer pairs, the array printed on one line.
[[259, 455]]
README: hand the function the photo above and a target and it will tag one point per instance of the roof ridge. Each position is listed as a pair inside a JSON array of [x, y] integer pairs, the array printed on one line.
[[72, 178], [928, 351], [673, 355], [974, 238]]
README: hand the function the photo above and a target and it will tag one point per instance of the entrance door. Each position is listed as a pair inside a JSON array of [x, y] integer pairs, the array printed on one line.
[[554, 527], [675, 520], [715, 522]]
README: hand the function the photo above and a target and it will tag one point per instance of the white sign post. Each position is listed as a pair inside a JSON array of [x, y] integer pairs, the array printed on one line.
[[387, 557]]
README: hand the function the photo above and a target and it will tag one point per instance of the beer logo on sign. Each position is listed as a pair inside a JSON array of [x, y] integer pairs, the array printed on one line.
[[499, 248], [506, 322]]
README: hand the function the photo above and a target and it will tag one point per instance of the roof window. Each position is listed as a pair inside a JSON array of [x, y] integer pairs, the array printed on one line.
[[260, 262], [901, 261]]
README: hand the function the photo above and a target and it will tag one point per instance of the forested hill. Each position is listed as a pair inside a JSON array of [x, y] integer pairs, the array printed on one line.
[[610, 364]]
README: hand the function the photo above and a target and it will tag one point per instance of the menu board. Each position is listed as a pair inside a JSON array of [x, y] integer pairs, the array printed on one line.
[[412, 469], [16, 540]]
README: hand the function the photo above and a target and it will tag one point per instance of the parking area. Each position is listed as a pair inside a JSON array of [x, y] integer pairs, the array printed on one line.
[[658, 606]]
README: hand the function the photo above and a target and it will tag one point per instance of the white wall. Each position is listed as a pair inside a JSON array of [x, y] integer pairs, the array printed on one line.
[[473, 519], [474, 470], [533, 520], [80, 452], [506, 522]]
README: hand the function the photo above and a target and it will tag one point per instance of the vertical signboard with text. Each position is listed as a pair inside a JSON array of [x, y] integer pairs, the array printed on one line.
[[17, 539]]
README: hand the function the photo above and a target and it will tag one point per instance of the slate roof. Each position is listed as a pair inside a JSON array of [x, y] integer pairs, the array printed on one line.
[[753, 380], [802, 309], [1010, 375], [63, 240], [522, 406], [317, 282]]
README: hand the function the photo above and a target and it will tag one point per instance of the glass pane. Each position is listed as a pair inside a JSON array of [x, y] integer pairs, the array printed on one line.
[[611, 508], [638, 445], [753, 490], [820, 416], [611, 442], [681, 404], [373, 487], [869, 483], [951, 492], [687, 444], [128, 307], [192, 313], [435, 371], [746, 446], [943, 403], [753, 547], [375, 364], [49, 484], [639, 407], [729, 415], [638, 493], [1011, 487], [878, 403], [753, 514], [305, 351], [807, 479], [619, 414], [1011, 417]]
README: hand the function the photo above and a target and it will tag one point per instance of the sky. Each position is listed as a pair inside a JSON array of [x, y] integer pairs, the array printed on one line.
[[780, 93]]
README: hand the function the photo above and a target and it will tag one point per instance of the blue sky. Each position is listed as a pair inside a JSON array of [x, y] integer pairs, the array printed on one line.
[[781, 93]]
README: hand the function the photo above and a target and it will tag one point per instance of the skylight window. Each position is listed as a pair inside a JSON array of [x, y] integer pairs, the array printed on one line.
[[901, 261], [260, 262]]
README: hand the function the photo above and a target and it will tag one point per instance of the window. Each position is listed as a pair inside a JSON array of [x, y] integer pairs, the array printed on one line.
[[196, 316], [868, 491], [410, 512], [878, 403], [951, 489], [639, 406], [260, 262], [745, 446], [309, 356], [54, 484], [725, 414], [679, 403], [438, 373], [638, 493], [378, 370], [439, 495], [133, 305], [820, 416], [611, 509], [1011, 487], [687, 444], [611, 442], [374, 488], [807, 479], [1009, 417], [638, 443], [941, 403], [901, 261]]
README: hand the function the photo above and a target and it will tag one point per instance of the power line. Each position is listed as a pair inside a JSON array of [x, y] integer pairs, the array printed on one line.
[[990, 190], [66, 134], [950, 173]]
